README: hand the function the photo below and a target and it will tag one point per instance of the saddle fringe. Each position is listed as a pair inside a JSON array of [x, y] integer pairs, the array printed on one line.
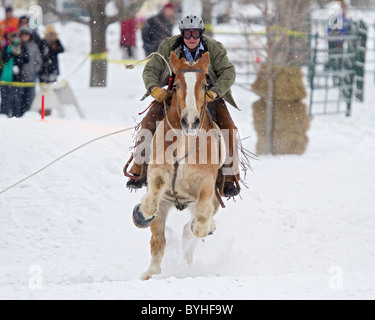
[[245, 157]]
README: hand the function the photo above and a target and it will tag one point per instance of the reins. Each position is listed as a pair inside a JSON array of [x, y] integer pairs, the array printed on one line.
[[180, 202], [174, 195]]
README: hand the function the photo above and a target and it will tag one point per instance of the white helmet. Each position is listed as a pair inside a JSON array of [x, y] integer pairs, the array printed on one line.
[[191, 22]]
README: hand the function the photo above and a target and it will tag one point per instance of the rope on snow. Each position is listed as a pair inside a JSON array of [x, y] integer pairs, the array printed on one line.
[[64, 156]]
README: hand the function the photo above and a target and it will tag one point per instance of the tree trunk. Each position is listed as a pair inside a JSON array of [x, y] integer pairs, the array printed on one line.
[[207, 16], [45, 4], [269, 110], [98, 30]]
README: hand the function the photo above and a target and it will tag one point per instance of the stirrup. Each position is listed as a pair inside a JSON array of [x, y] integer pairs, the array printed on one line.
[[137, 184], [135, 181], [230, 190]]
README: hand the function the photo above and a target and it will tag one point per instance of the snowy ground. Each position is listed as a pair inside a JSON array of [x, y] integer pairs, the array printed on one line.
[[304, 230]]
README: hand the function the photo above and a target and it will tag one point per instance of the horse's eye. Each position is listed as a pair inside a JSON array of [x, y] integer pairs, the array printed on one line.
[[177, 86], [204, 87]]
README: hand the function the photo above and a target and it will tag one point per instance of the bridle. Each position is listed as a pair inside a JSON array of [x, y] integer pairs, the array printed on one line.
[[204, 108], [180, 202]]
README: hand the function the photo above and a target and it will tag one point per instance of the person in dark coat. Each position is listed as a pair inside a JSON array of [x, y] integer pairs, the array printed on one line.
[[51, 48], [30, 70], [335, 44], [158, 28], [24, 22], [14, 57]]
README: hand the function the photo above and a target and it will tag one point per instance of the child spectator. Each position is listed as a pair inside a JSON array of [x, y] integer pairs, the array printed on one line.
[[9, 22], [14, 57]]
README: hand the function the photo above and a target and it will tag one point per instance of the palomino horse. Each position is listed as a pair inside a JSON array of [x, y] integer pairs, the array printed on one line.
[[182, 173]]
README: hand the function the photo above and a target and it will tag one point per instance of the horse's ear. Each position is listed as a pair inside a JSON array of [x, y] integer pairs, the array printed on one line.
[[205, 61], [175, 62]]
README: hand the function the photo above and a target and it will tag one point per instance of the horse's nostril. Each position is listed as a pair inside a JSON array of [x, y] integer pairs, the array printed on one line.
[[184, 123], [196, 124]]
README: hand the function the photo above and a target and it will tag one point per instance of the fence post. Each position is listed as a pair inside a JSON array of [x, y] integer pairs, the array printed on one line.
[[360, 60], [312, 67]]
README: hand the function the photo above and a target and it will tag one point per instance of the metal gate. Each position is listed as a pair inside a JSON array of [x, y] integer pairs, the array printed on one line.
[[336, 74]]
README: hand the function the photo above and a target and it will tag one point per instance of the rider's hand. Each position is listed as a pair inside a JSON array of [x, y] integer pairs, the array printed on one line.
[[211, 96], [159, 94]]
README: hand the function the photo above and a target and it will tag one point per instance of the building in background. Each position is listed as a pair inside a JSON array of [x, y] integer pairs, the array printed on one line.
[[19, 4]]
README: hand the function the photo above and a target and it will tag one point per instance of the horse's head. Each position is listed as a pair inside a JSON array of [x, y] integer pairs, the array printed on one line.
[[191, 85]]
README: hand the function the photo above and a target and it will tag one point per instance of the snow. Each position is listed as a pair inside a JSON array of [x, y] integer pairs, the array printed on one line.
[[304, 229]]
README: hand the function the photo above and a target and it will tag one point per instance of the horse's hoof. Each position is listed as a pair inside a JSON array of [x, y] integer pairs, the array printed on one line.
[[211, 233], [139, 220]]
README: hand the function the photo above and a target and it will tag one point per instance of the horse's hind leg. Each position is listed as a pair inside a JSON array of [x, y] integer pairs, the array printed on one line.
[[158, 241], [203, 225], [189, 242]]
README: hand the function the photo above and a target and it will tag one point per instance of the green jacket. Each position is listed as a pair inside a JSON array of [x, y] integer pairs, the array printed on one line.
[[222, 73]]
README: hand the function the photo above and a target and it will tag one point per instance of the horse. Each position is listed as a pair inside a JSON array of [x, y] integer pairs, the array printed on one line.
[[187, 153]]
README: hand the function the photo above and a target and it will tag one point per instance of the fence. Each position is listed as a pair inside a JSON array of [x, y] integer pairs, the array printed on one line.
[[334, 78], [337, 71]]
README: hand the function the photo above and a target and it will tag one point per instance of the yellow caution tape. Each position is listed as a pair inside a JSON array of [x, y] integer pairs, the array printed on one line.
[[209, 27], [17, 84], [104, 56], [291, 33], [127, 62], [99, 56]]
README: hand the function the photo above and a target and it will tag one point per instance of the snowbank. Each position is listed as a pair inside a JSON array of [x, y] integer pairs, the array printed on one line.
[[304, 229]]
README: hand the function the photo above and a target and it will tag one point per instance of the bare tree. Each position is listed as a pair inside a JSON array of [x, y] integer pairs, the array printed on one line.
[[98, 23], [207, 16], [286, 24]]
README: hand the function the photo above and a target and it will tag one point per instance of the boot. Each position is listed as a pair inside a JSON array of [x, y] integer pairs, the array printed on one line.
[[136, 184], [231, 190], [154, 115], [230, 186], [140, 172]]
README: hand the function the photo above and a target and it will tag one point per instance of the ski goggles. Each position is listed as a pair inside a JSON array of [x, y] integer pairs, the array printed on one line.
[[195, 34]]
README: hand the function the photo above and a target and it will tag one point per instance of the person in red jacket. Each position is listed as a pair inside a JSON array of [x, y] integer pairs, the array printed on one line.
[[9, 22], [128, 36]]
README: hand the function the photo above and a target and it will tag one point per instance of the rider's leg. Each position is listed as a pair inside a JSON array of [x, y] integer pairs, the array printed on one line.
[[231, 168], [149, 123]]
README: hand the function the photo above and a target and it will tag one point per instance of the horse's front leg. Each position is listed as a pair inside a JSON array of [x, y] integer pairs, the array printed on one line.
[[157, 184], [203, 225], [158, 241]]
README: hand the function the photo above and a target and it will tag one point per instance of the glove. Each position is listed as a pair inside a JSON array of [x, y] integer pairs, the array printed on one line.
[[159, 94], [16, 70], [211, 96], [16, 50]]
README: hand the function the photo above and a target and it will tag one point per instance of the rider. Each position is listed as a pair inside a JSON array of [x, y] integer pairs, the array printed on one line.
[[191, 44]]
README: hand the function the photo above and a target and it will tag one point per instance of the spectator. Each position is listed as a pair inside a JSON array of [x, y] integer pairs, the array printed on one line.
[[128, 37], [51, 48], [24, 22], [30, 70], [15, 57], [335, 44], [9, 21], [158, 28]]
